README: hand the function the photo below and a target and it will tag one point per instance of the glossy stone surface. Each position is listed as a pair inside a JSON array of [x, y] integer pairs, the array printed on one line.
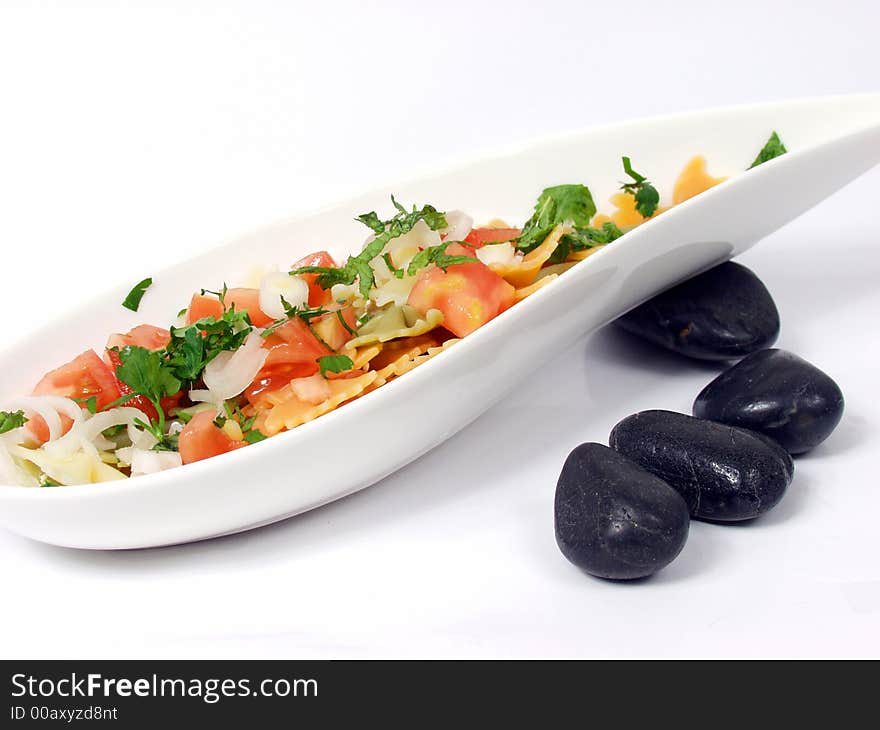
[[724, 473], [778, 394], [613, 518], [721, 314]]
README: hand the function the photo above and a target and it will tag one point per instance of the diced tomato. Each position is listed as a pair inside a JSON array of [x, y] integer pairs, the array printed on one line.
[[248, 300], [317, 295], [459, 249], [332, 331], [293, 353], [201, 439], [86, 376], [479, 237], [274, 378], [144, 335], [468, 295]]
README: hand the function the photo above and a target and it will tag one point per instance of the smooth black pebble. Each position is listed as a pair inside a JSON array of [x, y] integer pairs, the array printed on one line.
[[778, 394], [721, 314], [723, 472], [613, 518]]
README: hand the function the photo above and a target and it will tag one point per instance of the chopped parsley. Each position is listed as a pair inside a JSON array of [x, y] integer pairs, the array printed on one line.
[[772, 148], [11, 420], [133, 300], [560, 204], [254, 437], [306, 314], [90, 404], [148, 374], [436, 255], [335, 364], [341, 317], [646, 195], [192, 347], [583, 238], [358, 267], [233, 413], [386, 257], [168, 442]]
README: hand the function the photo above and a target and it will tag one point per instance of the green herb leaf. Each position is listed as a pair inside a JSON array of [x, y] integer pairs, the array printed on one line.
[[192, 347], [147, 373], [584, 238], [168, 442], [559, 204], [436, 255], [335, 364], [11, 420], [646, 195], [386, 257], [358, 267], [133, 300], [773, 148], [306, 314], [254, 437], [341, 317], [90, 403]]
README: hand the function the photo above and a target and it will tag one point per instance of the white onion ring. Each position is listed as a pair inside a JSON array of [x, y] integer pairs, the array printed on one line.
[[86, 431], [228, 374], [48, 407], [277, 284], [459, 225], [150, 462]]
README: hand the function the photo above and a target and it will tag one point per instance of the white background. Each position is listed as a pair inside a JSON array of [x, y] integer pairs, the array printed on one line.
[[132, 136]]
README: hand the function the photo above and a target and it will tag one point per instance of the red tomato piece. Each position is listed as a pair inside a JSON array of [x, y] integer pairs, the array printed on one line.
[[248, 300], [479, 237], [468, 295], [84, 377], [144, 335], [293, 353], [332, 330], [317, 295], [201, 439]]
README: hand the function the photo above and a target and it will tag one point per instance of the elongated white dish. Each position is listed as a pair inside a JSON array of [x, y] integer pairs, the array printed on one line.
[[831, 141]]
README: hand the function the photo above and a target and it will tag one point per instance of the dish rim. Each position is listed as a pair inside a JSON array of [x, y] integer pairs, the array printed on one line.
[[167, 478]]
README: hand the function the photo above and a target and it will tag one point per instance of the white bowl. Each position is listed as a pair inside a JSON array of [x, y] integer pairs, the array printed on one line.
[[831, 141]]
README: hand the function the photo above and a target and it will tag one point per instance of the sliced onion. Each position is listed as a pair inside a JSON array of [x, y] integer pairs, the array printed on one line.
[[150, 462], [459, 225], [48, 407], [313, 389], [278, 284], [499, 253], [87, 430], [230, 373], [9, 472]]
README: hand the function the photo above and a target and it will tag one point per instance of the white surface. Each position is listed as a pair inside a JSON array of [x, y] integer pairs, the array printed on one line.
[[834, 140], [128, 125]]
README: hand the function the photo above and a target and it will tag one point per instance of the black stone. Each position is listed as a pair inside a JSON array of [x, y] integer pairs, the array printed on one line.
[[778, 394], [721, 314], [724, 473], [613, 518]]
